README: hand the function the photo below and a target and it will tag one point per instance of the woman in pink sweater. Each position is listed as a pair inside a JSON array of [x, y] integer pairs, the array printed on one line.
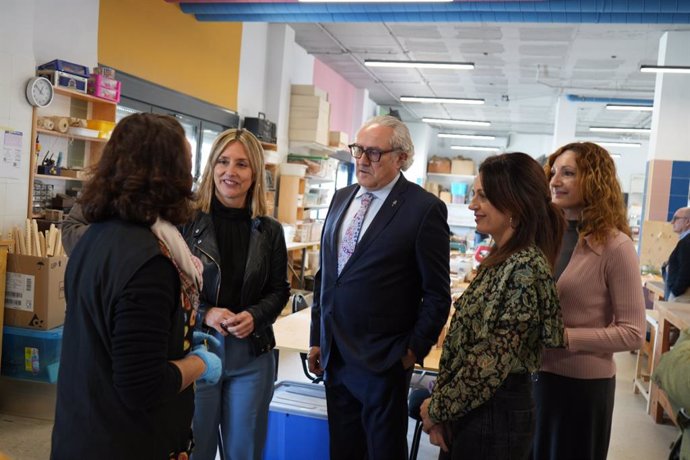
[[600, 291]]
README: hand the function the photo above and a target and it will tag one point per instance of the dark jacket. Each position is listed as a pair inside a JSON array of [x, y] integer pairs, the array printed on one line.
[[265, 289], [394, 291], [118, 396], [678, 270]]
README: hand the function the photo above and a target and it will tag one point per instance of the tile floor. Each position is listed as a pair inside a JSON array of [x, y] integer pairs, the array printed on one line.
[[635, 436]]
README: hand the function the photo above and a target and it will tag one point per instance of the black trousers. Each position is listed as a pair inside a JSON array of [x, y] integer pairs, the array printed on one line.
[[367, 413], [573, 417], [499, 429]]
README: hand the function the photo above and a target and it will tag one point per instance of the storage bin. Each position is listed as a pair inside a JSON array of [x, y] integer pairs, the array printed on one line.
[[64, 66], [31, 354], [104, 87], [65, 80], [297, 422]]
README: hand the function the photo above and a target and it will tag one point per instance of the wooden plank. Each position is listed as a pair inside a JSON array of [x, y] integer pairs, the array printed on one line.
[[656, 243]]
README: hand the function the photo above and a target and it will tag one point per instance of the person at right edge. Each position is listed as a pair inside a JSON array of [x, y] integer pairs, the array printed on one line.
[[481, 407], [677, 270], [600, 290], [381, 296]]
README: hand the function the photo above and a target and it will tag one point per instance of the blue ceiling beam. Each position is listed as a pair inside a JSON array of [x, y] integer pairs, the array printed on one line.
[[463, 17], [561, 6]]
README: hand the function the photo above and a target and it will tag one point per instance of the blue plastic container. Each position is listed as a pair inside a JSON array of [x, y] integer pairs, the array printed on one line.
[[31, 354], [297, 422], [64, 66]]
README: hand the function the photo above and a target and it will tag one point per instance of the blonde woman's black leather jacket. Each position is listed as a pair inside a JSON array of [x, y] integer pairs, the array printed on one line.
[[265, 289]]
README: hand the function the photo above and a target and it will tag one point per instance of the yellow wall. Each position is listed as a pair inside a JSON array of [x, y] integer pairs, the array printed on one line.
[[155, 41]]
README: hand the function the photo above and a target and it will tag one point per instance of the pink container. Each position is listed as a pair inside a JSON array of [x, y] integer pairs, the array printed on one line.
[[104, 87]]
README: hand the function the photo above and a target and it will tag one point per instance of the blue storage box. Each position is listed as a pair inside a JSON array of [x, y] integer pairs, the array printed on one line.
[[31, 354], [64, 66], [297, 422]]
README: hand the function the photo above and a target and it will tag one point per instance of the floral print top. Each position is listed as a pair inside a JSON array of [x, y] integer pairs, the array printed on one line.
[[501, 323]]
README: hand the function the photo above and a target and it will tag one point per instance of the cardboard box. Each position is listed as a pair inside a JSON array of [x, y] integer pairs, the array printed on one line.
[[462, 167], [35, 291], [297, 100], [309, 135], [308, 90], [338, 139], [439, 165]]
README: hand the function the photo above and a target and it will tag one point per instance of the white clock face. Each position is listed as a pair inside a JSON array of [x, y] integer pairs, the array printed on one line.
[[40, 92]]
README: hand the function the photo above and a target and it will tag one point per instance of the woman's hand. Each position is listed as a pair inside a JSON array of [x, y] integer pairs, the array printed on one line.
[[240, 325], [216, 317], [435, 430], [424, 412], [436, 437]]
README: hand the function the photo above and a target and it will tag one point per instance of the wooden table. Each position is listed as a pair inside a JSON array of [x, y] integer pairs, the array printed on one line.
[[292, 334], [671, 315], [296, 246]]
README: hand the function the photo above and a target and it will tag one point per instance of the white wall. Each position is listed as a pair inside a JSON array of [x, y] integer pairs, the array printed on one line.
[[250, 91], [28, 36]]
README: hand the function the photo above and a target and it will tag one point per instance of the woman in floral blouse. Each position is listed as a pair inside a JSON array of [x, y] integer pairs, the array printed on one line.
[[482, 405]]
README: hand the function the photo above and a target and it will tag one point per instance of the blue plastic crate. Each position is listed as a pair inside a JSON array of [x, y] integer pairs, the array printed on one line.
[[297, 423], [31, 354], [64, 66]]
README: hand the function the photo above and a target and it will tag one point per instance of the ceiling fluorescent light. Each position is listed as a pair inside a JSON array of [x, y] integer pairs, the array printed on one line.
[[620, 144], [615, 155], [643, 108], [606, 129], [441, 100], [466, 136], [420, 64], [664, 69], [479, 149], [450, 121]]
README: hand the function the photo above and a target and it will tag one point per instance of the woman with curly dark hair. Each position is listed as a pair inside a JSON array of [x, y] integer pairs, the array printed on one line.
[[600, 291], [482, 405], [132, 287]]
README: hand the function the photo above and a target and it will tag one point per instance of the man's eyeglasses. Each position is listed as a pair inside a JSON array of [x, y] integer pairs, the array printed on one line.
[[372, 153], [675, 218]]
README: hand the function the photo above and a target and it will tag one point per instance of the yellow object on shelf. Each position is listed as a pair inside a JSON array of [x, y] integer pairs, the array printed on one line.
[[102, 126]]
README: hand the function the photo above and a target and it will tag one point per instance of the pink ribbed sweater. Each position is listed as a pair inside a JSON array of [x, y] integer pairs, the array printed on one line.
[[603, 309]]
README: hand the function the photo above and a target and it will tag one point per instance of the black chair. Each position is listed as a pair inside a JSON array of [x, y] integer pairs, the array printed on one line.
[[414, 402]]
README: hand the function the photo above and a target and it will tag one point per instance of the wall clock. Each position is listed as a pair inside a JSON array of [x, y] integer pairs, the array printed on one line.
[[39, 91]]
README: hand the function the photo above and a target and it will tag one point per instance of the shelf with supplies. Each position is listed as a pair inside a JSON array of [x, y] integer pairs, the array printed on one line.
[[51, 177], [451, 177], [460, 215], [70, 136], [74, 151], [319, 150]]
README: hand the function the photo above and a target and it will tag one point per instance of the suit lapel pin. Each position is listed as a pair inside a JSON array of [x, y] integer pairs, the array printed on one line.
[[394, 203]]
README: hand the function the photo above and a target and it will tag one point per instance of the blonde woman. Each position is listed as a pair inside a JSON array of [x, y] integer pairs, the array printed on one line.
[[245, 288]]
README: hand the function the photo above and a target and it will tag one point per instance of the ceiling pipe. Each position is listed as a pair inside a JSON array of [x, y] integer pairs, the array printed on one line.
[[608, 100]]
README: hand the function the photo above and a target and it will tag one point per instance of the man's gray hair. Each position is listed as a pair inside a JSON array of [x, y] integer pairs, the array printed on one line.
[[401, 139]]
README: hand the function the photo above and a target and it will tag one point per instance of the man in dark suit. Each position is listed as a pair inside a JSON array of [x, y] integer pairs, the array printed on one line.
[[381, 296], [677, 271]]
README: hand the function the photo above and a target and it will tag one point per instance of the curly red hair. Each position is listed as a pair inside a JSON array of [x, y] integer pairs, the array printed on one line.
[[604, 208]]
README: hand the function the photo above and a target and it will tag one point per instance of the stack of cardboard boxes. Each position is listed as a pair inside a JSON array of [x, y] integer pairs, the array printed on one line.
[[34, 309], [309, 114]]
